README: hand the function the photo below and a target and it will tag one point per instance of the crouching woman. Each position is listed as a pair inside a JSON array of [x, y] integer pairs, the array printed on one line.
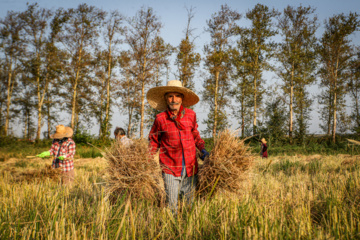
[[63, 152]]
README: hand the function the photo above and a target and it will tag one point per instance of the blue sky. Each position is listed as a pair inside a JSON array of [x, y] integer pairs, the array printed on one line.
[[173, 15]]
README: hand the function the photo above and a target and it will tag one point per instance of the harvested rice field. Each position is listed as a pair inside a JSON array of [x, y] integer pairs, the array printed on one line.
[[284, 197]]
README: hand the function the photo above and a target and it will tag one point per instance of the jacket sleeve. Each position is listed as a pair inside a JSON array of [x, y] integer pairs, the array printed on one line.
[[154, 137], [200, 144]]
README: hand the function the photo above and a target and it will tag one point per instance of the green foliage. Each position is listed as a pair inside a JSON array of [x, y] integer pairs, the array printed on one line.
[[83, 137], [275, 123], [88, 152]]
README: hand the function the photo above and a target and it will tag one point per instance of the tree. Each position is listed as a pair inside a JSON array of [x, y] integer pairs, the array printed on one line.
[[26, 105], [12, 46], [242, 90], [353, 87], [335, 55], [187, 61], [221, 27], [296, 55], [260, 50], [105, 65], [79, 37], [162, 55], [113, 31], [275, 119], [37, 64], [55, 65], [129, 92], [142, 36]]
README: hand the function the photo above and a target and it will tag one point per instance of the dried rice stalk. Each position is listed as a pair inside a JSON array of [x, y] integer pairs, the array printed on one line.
[[228, 163], [354, 141], [130, 170], [39, 175]]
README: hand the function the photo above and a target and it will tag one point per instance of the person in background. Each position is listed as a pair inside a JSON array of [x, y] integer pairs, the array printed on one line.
[[63, 152], [175, 133], [121, 136], [263, 149]]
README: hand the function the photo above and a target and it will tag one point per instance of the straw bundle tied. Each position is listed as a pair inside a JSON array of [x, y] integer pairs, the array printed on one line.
[[227, 165], [132, 171]]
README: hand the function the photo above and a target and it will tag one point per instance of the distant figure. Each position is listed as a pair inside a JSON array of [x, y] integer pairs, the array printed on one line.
[[121, 136], [263, 150], [63, 152]]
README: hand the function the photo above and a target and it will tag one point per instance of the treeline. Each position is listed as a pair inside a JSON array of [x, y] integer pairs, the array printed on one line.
[[90, 63]]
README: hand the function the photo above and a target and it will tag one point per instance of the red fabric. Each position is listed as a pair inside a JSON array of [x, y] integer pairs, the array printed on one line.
[[173, 141], [176, 118], [67, 150], [264, 154]]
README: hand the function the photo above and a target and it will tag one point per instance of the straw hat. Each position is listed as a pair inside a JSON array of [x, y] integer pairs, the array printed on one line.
[[156, 99], [263, 140], [62, 132]]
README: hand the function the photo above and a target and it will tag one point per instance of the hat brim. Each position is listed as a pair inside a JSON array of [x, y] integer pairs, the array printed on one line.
[[155, 96], [69, 133]]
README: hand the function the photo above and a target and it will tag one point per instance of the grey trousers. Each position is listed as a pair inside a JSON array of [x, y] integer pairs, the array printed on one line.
[[183, 187]]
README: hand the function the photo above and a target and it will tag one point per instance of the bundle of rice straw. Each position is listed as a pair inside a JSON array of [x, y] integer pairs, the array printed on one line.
[[227, 166], [132, 171]]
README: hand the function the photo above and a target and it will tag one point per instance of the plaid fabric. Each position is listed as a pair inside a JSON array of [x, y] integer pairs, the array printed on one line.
[[67, 150], [173, 143]]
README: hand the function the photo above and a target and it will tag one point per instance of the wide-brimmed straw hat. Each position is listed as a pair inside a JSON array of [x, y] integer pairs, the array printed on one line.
[[156, 99], [62, 132], [263, 140]]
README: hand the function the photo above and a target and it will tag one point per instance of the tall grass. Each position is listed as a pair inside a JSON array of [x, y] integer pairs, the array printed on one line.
[[288, 197]]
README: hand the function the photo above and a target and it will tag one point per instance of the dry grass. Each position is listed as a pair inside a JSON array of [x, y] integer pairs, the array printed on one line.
[[354, 141], [47, 172], [227, 165], [130, 170]]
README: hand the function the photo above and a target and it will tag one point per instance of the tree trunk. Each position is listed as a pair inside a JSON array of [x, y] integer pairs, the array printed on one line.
[[142, 111], [48, 122], [129, 123], [40, 103], [242, 113], [291, 105], [255, 95], [25, 126], [73, 110], [107, 110], [215, 101], [8, 102], [334, 120], [329, 117]]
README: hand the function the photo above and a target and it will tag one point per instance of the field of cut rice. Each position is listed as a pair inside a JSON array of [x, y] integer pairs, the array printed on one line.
[[286, 197]]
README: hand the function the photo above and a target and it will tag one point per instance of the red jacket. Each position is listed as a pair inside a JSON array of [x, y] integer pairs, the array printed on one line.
[[174, 142]]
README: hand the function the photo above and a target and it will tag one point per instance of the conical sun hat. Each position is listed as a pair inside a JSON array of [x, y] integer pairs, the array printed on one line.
[[156, 99], [62, 132]]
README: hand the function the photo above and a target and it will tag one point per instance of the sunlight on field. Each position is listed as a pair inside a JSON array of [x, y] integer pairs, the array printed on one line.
[[307, 197]]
